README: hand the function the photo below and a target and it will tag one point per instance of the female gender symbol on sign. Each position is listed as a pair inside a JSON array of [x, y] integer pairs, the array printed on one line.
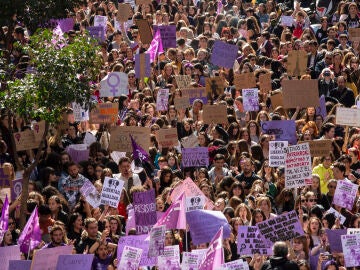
[[113, 83]]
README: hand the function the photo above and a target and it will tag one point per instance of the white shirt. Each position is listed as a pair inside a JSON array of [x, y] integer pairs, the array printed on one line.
[[137, 181]]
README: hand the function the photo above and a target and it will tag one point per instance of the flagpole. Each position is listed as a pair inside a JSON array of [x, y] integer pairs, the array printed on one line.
[[186, 240], [28, 251]]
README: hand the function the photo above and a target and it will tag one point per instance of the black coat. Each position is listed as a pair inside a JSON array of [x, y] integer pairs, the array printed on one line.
[[279, 263]]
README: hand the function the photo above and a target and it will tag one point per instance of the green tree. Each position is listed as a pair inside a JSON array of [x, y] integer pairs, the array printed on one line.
[[63, 74]]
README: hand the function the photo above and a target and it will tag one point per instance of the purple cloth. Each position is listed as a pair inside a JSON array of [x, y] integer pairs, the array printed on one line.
[[144, 211], [168, 35], [31, 234], [282, 130], [4, 220]]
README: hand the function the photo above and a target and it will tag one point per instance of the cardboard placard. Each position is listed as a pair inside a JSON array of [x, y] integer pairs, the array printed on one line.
[[354, 34], [303, 93], [141, 2], [39, 129], [214, 87], [167, 137], [265, 83], [195, 93], [142, 65], [216, 114], [244, 80], [124, 12], [347, 116], [181, 103], [120, 138], [319, 148], [104, 113], [25, 140], [183, 81], [297, 63], [276, 100], [144, 31]]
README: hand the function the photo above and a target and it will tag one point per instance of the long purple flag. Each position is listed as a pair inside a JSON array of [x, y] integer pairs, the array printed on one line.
[[138, 151], [4, 220], [214, 256], [155, 46], [31, 235]]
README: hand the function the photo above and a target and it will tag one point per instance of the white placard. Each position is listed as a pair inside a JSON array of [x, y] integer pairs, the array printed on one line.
[[250, 99], [194, 203], [100, 21], [287, 20], [114, 84], [162, 100], [347, 116], [130, 258], [345, 194], [277, 153], [111, 191]]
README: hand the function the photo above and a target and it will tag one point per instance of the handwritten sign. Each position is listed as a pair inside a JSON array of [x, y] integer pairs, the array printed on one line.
[[287, 20], [80, 114], [224, 54], [303, 93], [244, 80], [111, 192], [97, 32], [104, 113], [167, 137], [249, 242], [280, 130], [345, 194], [298, 168], [162, 100], [38, 129], [25, 140], [144, 210], [142, 65], [320, 148], [183, 81], [276, 100], [168, 35], [190, 141], [100, 21], [181, 103], [277, 153], [75, 262], [46, 259], [195, 93], [90, 193], [214, 87], [250, 99], [214, 114], [347, 116], [114, 84], [265, 83], [195, 157], [120, 138]]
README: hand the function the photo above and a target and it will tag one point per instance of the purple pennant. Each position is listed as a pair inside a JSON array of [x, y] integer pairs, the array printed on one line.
[[4, 220], [214, 256], [30, 237], [321, 110], [138, 151]]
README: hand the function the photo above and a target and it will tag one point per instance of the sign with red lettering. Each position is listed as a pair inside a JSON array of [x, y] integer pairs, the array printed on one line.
[[167, 137]]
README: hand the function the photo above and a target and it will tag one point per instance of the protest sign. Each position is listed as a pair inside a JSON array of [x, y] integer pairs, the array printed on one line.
[[337, 215], [265, 83], [89, 138], [19, 264], [287, 20], [123, 12], [162, 100], [244, 80], [157, 241], [77, 153], [347, 116], [224, 54], [353, 231], [319, 148], [280, 130], [142, 65], [351, 249], [130, 258], [75, 262], [114, 84], [116, 155], [111, 192], [214, 87], [16, 188], [297, 63], [39, 129], [190, 141], [138, 241], [167, 137], [281, 228], [235, 265], [204, 224], [170, 258], [168, 35], [277, 153], [250, 242], [9, 253], [194, 203], [190, 261], [354, 34], [250, 99], [100, 21], [144, 210], [276, 100], [181, 103], [303, 93], [183, 81], [25, 140], [80, 114], [104, 113], [90, 193], [298, 168], [195, 157], [66, 24], [334, 238], [97, 32], [144, 31], [195, 93], [214, 114], [5, 181], [321, 109], [345, 194], [46, 259], [142, 2], [120, 138]]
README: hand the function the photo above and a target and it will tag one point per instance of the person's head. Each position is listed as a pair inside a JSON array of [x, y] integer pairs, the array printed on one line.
[[73, 169], [125, 166], [57, 235], [332, 186], [339, 169], [219, 161], [169, 238], [280, 249], [75, 222], [54, 203], [91, 226], [314, 226], [328, 130], [331, 265]]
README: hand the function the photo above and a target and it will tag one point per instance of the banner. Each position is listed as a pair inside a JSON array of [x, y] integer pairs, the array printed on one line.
[[334, 238], [345, 194], [120, 138], [168, 35], [111, 192], [45, 259], [277, 153], [144, 210], [9, 253]]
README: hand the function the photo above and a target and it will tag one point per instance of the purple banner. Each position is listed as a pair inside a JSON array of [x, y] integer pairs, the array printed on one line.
[[168, 35], [281, 228], [321, 110], [75, 262], [146, 66], [137, 241], [20, 264], [204, 224], [224, 54], [195, 157], [145, 211], [250, 242], [97, 32], [280, 130], [334, 237], [66, 24], [78, 155]]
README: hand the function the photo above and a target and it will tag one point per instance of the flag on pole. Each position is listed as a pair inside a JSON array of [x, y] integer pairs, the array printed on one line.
[[155, 46], [31, 235], [4, 220], [219, 6], [138, 151], [214, 256]]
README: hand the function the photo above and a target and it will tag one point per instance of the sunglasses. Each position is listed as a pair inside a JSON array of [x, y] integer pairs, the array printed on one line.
[[303, 201], [332, 186], [131, 76], [310, 200]]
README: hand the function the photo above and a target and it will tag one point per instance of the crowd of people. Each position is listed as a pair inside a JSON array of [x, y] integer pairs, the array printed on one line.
[[239, 180]]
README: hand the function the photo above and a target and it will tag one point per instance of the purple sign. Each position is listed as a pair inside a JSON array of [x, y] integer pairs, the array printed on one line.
[[66, 24], [224, 54], [281, 228], [144, 210], [16, 189], [168, 35], [20, 264], [4, 179], [139, 65], [345, 194], [204, 224], [75, 262], [137, 241], [195, 157], [334, 237], [280, 130], [97, 32], [250, 242], [321, 110], [78, 155]]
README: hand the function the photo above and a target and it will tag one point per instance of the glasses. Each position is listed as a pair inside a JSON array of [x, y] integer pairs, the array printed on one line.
[[303, 201], [131, 76], [332, 187], [310, 200]]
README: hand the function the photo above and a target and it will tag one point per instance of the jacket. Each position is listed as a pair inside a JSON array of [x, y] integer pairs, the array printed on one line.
[[279, 263]]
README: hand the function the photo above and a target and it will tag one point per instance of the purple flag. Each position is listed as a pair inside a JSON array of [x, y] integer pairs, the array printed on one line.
[[214, 256], [138, 151], [219, 6], [144, 210], [205, 223], [321, 110], [155, 46], [4, 220], [31, 235]]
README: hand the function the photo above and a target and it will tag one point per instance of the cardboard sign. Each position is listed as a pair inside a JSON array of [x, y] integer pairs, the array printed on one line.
[[183, 81], [120, 138], [277, 100], [9, 253], [215, 114], [168, 35], [249, 242], [38, 129], [250, 99], [25, 140], [214, 87], [265, 83], [194, 203], [92, 196], [224, 54], [298, 167], [351, 248], [195, 157], [244, 80], [281, 228], [144, 211], [347, 116], [75, 262], [142, 65], [45, 259], [130, 258], [111, 192], [354, 34], [181, 103], [157, 241], [142, 2], [297, 63], [80, 114], [190, 141], [114, 84], [104, 113], [280, 130], [303, 93], [319, 148], [124, 12], [195, 93], [277, 153], [345, 194], [167, 137], [144, 31], [162, 100]]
